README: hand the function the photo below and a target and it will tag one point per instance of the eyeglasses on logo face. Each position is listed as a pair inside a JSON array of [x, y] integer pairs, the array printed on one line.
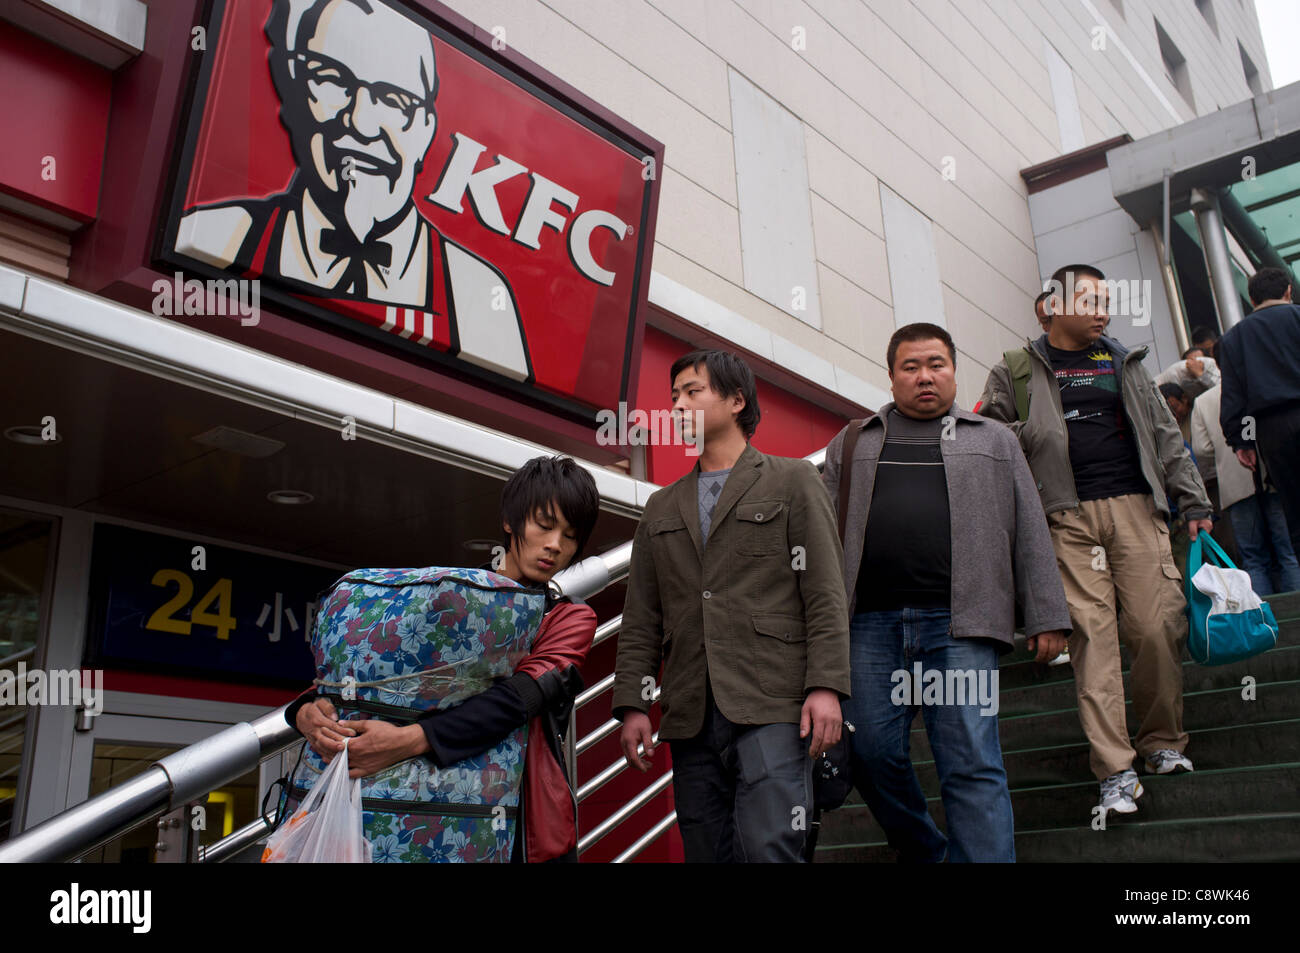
[[333, 83]]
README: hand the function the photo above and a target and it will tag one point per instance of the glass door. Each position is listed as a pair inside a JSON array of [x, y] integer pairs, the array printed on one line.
[[119, 747], [25, 571]]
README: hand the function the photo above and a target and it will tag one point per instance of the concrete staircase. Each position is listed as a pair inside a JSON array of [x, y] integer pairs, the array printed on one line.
[[1242, 803]]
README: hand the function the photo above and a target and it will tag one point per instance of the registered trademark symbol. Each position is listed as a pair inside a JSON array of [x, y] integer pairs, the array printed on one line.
[[629, 231]]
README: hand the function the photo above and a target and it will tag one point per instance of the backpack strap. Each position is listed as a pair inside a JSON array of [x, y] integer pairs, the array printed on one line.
[[846, 475], [1018, 363]]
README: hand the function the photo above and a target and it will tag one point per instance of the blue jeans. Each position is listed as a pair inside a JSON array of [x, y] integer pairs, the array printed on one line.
[[972, 780], [1259, 523]]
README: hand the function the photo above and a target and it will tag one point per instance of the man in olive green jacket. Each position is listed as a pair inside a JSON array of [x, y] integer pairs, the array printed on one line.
[[735, 586]]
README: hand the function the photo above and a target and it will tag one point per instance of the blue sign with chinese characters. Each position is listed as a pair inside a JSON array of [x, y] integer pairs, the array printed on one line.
[[184, 607]]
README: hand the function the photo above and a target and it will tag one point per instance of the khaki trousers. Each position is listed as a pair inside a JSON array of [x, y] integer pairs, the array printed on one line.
[[1121, 583]]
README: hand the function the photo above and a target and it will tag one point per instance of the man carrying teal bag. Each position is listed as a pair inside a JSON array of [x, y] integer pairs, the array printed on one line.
[[1228, 622], [1108, 460]]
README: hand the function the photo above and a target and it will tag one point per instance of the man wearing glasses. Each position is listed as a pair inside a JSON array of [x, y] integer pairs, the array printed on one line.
[[356, 81]]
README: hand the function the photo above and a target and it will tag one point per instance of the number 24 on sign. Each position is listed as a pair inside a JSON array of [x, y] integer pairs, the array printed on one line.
[[164, 618]]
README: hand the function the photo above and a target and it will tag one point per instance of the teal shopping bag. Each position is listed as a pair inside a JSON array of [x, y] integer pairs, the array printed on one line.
[[1227, 621]]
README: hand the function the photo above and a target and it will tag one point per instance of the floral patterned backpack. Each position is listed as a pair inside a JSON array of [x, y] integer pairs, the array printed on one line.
[[393, 643]]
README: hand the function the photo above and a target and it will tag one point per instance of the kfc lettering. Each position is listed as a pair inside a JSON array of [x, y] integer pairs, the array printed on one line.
[[459, 177]]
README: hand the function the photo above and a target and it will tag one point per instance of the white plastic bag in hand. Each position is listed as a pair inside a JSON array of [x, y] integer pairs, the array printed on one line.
[[327, 827], [1229, 589]]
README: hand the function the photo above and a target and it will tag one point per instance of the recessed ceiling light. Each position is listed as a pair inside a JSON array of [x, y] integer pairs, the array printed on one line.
[[31, 434], [290, 497]]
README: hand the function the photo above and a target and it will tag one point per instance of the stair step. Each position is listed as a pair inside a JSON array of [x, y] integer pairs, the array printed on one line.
[[1285, 606], [1257, 837], [1267, 789], [1206, 792], [1222, 746], [1274, 701], [1258, 745], [1206, 709], [1019, 669], [1278, 665]]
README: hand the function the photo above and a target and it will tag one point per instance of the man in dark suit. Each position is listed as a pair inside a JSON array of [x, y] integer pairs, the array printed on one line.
[[735, 586], [1260, 410]]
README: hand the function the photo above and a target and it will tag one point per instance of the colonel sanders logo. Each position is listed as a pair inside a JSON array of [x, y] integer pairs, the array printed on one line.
[[357, 83]]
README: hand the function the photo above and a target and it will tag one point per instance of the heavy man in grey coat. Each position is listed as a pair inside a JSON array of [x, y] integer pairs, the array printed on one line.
[[944, 535]]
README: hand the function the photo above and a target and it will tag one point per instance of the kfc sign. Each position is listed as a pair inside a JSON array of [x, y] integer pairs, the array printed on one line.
[[377, 168]]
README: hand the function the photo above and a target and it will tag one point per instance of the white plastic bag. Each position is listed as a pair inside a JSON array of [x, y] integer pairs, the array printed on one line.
[[327, 827], [1229, 589]]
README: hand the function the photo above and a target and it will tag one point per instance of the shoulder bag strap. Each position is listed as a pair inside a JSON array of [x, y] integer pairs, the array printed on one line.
[[1020, 368]]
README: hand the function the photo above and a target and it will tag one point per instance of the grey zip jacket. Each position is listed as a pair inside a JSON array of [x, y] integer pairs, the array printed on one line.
[[1164, 459], [1001, 547]]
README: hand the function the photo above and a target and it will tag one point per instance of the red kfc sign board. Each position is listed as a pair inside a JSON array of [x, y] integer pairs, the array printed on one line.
[[374, 167]]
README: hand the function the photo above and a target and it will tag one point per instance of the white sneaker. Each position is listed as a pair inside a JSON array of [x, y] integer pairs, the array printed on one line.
[[1166, 761], [1119, 792]]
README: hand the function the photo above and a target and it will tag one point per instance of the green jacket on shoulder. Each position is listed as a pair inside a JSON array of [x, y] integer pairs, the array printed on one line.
[[1165, 462], [758, 609]]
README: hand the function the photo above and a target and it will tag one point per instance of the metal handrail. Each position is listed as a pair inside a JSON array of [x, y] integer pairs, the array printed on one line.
[[647, 795], [18, 656], [594, 692], [608, 728], [646, 839], [233, 843], [609, 773], [596, 573], [607, 630], [604, 731]]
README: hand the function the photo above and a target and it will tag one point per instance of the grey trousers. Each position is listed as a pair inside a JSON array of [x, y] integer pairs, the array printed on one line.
[[743, 792]]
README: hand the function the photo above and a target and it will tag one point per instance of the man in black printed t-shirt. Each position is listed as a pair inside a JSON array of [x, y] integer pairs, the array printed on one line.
[[1102, 451], [1108, 459]]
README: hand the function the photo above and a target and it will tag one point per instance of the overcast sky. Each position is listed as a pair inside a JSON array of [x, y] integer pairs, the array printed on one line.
[[1279, 22]]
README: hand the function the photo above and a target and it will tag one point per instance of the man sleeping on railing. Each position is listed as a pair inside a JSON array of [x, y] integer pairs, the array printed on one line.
[[548, 511]]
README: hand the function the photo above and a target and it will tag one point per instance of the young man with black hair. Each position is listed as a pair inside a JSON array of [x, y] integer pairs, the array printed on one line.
[[1107, 456], [1260, 409], [548, 511], [943, 532], [735, 588]]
